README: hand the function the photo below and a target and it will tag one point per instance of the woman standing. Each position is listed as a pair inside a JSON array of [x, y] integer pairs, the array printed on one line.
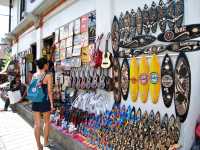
[[46, 106]]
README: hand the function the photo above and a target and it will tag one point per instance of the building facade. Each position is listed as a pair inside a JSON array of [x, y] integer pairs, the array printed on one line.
[[33, 21]]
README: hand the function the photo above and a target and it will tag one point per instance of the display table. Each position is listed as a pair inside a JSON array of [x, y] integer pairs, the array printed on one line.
[[66, 140]]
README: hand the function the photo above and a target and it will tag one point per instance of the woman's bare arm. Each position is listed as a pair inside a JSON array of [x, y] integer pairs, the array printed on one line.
[[50, 88]]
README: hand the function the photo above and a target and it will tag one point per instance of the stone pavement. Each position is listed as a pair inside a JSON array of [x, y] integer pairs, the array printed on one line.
[[15, 133]]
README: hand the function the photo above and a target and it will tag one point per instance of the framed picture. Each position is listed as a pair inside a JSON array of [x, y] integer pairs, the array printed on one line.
[[84, 39], [71, 29], [62, 33], [77, 26], [77, 39], [69, 52], [57, 34], [66, 30], [69, 41], [84, 23], [76, 50]]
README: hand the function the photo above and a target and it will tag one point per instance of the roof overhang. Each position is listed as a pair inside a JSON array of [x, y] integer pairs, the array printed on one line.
[[34, 17]]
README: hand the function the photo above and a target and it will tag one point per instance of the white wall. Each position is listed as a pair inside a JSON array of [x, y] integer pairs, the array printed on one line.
[[26, 39]]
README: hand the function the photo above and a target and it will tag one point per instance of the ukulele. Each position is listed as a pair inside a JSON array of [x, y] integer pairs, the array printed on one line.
[[106, 57], [98, 53]]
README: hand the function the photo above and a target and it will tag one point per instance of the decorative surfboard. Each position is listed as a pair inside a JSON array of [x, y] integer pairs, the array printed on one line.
[[133, 23], [125, 79], [139, 21], [121, 27], [167, 80], [145, 16], [139, 41], [115, 36], [127, 27], [154, 79], [134, 85], [157, 118], [182, 86], [162, 18], [171, 14], [180, 34], [116, 80], [179, 13], [165, 121], [153, 17], [143, 79], [185, 46], [151, 116], [138, 115]]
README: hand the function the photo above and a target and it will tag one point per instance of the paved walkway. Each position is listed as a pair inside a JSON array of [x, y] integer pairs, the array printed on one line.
[[15, 133]]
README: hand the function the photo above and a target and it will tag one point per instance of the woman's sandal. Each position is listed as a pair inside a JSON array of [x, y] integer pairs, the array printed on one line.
[[50, 145]]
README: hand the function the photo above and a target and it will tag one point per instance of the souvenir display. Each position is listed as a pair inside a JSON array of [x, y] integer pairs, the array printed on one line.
[[179, 13], [143, 79], [134, 84], [133, 24], [69, 42], [84, 39], [139, 21], [167, 80], [171, 14], [92, 27], [76, 50], [71, 29], [146, 17], [125, 79], [66, 30], [116, 80], [185, 46], [153, 16], [77, 26], [182, 86], [69, 52], [85, 58], [154, 78], [162, 15], [84, 24], [107, 56], [127, 27], [115, 35], [180, 34], [139, 41]]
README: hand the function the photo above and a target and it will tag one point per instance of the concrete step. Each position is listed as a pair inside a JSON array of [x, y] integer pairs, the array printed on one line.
[[65, 142]]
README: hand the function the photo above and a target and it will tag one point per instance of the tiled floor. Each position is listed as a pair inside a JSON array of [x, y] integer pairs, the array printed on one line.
[[15, 133]]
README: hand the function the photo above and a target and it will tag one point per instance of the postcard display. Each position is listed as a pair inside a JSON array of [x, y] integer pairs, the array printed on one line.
[[142, 73]]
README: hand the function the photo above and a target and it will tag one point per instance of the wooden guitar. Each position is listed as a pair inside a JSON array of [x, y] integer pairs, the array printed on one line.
[[106, 57], [98, 53]]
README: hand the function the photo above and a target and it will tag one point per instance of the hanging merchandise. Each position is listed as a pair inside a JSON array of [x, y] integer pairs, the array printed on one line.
[[179, 13], [139, 41], [107, 56], [97, 55], [154, 79], [185, 46], [134, 84], [133, 24], [116, 80], [167, 80], [125, 76], [139, 22], [171, 14], [115, 34], [162, 16], [92, 27], [183, 33], [182, 86], [143, 79], [153, 17], [146, 17]]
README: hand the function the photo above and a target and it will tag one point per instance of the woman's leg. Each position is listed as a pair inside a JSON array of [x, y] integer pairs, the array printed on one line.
[[37, 119], [7, 103], [46, 127]]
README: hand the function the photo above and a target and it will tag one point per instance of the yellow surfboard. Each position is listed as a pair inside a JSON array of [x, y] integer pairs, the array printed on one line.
[[134, 84], [154, 80], [143, 79]]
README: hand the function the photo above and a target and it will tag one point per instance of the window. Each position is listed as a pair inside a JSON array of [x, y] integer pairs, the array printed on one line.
[[22, 9]]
